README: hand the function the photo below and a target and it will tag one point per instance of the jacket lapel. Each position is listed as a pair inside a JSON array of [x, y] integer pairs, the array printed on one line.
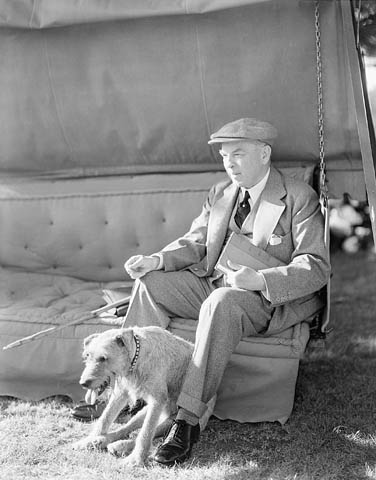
[[218, 222], [270, 209]]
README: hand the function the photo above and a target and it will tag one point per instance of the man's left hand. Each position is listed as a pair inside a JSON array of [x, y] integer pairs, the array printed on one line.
[[244, 277]]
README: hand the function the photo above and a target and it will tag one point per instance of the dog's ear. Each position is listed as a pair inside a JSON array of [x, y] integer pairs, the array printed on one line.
[[123, 337], [89, 339], [120, 340]]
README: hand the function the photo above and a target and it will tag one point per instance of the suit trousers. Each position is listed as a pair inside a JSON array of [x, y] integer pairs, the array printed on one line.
[[224, 315]]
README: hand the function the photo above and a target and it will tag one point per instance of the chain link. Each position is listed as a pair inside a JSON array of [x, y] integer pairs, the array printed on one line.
[[324, 317], [358, 24], [320, 110]]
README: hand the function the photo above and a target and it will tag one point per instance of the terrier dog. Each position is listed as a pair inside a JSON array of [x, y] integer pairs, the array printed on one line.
[[139, 362]]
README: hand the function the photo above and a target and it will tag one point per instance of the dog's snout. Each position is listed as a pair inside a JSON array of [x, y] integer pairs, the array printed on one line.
[[86, 383]]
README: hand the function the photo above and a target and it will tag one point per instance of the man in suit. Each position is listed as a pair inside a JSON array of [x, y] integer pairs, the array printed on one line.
[[278, 215]]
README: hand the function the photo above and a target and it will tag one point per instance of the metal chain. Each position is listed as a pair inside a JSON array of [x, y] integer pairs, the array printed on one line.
[[320, 110], [324, 318], [358, 24]]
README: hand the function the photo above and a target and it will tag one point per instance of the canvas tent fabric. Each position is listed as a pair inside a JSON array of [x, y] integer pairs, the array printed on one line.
[[138, 86], [114, 91], [55, 13]]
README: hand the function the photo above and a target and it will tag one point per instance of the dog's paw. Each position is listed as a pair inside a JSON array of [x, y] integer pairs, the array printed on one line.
[[91, 443], [133, 460], [121, 448], [81, 444]]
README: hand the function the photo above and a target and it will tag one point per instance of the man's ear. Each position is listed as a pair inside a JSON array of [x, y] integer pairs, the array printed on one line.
[[89, 339], [266, 153]]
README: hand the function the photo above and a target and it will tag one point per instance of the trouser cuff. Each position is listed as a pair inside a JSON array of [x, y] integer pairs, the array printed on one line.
[[193, 405], [188, 417]]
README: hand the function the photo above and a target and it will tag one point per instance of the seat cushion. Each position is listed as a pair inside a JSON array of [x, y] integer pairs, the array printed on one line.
[[31, 302]]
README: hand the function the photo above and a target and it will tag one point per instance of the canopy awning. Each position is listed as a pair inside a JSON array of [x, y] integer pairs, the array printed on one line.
[[57, 13], [139, 85]]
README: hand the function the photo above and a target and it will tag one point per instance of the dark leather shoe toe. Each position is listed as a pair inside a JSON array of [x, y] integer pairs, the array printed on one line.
[[131, 410], [177, 446], [87, 413]]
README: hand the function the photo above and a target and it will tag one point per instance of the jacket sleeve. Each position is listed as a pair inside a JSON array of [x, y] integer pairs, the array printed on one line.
[[309, 268], [191, 247]]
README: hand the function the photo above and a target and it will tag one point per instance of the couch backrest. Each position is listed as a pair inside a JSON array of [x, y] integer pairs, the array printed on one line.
[[87, 228]]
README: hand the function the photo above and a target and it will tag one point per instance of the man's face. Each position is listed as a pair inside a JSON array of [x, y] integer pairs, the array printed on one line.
[[245, 162]]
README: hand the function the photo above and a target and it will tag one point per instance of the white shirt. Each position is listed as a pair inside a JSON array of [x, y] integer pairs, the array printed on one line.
[[256, 190]]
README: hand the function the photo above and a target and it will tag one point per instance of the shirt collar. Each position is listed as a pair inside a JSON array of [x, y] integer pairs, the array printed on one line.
[[256, 190]]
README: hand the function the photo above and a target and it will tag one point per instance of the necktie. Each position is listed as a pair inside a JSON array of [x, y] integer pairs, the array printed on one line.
[[243, 210]]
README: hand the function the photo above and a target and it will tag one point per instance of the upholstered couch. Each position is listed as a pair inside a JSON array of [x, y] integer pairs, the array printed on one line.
[[64, 241]]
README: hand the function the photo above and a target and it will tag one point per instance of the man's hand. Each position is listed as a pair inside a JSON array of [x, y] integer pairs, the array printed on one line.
[[244, 277], [139, 265]]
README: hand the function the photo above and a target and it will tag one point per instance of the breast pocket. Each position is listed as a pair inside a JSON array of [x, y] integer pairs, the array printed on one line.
[[280, 246]]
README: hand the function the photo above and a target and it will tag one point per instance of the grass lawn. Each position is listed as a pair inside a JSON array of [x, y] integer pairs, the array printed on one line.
[[330, 435]]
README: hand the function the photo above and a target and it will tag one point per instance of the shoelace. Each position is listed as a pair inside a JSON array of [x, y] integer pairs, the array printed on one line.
[[174, 430]]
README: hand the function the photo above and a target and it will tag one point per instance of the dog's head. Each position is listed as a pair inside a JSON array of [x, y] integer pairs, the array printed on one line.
[[106, 355]]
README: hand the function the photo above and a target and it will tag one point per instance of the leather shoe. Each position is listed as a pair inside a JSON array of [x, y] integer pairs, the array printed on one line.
[[177, 445], [87, 413]]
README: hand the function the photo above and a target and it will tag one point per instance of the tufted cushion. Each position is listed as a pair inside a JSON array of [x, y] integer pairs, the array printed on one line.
[[87, 229], [42, 300]]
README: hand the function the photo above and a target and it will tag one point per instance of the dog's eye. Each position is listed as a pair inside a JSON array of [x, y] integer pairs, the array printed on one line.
[[102, 359]]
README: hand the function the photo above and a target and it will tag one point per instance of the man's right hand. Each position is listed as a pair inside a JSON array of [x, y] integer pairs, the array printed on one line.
[[139, 265]]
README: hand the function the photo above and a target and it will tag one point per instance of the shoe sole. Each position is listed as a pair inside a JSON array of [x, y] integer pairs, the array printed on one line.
[[83, 419], [178, 461]]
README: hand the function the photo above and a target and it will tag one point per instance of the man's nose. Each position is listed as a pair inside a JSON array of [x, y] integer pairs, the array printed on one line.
[[229, 161]]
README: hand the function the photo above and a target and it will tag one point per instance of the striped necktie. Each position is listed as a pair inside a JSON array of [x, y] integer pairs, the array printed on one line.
[[243, 210]]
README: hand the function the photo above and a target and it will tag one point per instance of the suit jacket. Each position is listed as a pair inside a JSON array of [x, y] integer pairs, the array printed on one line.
[[288, 211]]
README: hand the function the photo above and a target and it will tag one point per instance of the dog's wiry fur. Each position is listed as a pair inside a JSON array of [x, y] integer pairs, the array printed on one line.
[[157, 378]]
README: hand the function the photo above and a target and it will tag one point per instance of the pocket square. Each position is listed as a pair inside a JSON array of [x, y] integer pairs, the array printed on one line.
[[275, 240]]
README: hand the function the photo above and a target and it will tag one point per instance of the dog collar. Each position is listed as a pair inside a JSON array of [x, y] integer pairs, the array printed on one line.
[[136, 353]]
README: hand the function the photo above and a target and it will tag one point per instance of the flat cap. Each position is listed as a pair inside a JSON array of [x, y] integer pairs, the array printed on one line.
[[245, 129]]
